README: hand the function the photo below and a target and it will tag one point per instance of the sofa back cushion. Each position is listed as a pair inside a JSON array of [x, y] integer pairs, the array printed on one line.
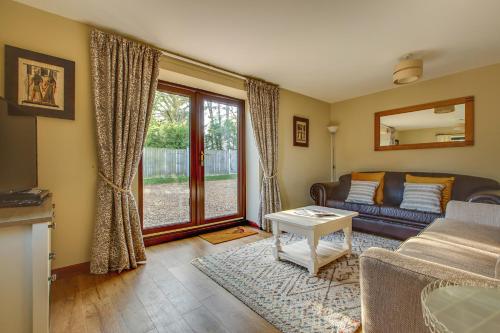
[[446, 181], [422, 197], [362, 191], [375, 177], [463, 186], [474, 213]]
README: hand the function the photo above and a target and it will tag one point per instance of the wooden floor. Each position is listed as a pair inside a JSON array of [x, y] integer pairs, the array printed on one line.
[[167, 294]]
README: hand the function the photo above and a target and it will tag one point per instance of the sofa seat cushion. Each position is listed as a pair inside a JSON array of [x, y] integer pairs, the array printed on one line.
[[448, 254], [476, 236], [356, 207], [410, 215]]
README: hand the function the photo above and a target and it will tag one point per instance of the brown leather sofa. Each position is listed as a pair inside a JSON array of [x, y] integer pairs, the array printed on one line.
[[390, 220]]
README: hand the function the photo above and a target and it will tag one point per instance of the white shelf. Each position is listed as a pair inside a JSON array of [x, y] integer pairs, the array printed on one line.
[[299, 252]]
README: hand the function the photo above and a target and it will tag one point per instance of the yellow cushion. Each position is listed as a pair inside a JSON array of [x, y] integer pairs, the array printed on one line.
[[446, 181], [372, 176]]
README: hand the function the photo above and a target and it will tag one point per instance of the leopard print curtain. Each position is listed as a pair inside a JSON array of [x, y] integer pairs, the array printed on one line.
[[263, 99], [124, 79]]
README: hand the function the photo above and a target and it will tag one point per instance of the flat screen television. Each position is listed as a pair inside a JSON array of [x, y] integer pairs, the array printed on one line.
[[18, 152]]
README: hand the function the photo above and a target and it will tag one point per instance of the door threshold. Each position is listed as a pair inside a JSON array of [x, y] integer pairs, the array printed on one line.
[[170, 235]]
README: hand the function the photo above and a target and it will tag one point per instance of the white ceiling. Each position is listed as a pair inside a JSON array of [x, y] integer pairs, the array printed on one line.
[[425, 119], [328, 49]]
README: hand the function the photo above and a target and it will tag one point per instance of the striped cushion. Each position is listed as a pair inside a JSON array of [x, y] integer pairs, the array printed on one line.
[[362, 192], [422, 197]]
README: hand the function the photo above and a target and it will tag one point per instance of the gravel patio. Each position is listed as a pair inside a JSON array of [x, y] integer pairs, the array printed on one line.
[[168, 204]]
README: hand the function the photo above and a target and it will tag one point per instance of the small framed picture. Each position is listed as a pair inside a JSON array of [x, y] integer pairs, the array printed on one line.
[[300, 132], [39, 84]]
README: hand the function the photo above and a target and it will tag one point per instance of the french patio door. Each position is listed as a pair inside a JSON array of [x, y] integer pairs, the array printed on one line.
[[192, 168]]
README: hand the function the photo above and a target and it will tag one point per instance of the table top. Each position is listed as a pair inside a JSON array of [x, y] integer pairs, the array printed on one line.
[[11, 216], [462, 308], [304, 216]]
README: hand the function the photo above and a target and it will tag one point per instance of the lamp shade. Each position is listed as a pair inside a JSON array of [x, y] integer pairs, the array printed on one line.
[[333, 128], [407, 71]]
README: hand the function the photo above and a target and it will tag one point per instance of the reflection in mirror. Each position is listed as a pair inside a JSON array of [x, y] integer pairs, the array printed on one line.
[[440, 124]]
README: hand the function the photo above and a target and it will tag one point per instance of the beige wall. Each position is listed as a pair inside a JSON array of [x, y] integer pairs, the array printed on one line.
[[299, 167], [354, 140], [66, 149]]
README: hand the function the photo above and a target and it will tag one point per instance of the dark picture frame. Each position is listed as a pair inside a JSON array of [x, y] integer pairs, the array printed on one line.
[[300, 131], [39, 84]]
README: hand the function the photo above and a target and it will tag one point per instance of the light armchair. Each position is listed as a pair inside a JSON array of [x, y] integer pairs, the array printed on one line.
[[463, 245]]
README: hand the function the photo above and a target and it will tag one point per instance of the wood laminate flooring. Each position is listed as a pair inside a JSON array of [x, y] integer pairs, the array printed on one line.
[[167, 294]]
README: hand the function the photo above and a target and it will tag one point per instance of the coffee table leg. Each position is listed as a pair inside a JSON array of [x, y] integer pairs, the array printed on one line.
[[312, 241], [276, 248], [348, 239]]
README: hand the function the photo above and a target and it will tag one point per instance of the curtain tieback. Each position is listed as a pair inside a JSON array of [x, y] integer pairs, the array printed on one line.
[[268, 178], [113, 185]]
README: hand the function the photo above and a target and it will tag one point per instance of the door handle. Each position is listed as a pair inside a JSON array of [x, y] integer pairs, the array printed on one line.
[[202, 158]]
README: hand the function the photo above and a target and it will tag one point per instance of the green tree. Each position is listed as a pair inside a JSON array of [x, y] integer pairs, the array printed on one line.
[[169, 125], [220, 126]]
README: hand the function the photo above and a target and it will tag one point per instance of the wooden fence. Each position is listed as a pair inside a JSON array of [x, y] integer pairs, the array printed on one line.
[[166, 162]]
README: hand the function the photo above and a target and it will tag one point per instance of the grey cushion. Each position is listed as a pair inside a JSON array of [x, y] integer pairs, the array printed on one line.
[[475, 236], [422, 197], [473, 212], [448, 254], [362, 191]]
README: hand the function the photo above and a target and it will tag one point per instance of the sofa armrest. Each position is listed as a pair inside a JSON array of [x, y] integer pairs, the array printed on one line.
[[391, 284], [488, 196], [321, 191], [473, 212]]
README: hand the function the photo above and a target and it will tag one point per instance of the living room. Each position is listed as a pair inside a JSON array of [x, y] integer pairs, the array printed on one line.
[[279, 107]]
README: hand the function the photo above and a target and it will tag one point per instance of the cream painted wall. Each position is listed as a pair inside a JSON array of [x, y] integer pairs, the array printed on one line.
[[300, 167], [66, 148], [354, 140]]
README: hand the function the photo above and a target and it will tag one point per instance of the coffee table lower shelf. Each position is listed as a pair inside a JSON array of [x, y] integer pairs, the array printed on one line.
[[299, 253]]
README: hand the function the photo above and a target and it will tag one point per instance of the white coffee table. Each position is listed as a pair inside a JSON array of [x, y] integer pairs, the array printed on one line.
[[312, 252]]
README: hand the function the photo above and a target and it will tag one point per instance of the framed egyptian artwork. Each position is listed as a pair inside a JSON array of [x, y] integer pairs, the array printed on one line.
[[39, 84]]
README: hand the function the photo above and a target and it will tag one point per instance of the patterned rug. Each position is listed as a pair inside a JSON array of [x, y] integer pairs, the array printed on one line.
[[284, 294]]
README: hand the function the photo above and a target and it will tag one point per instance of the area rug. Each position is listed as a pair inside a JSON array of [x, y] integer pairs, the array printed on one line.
[[226, 235], [284, 294]]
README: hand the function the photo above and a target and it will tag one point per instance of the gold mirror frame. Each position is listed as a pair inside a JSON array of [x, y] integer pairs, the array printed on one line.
[[469, 124]]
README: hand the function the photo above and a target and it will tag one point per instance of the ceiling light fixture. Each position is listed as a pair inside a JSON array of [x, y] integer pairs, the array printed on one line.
[[407, 71], [444, 109]]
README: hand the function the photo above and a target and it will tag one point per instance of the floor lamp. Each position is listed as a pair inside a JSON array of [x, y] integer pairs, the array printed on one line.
[[332, 129]]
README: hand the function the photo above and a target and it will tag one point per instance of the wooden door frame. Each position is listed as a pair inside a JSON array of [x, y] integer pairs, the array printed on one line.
[[198, 224], [241, 158]]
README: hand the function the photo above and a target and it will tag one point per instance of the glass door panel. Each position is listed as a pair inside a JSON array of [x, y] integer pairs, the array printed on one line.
[[192, 169], [220, 158], [166, 163]]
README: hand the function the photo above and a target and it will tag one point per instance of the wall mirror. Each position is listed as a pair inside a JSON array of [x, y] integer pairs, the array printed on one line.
[[440, 124]]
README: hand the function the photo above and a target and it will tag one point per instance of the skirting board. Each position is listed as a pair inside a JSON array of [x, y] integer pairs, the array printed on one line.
[[84, 267], [253, 224], [68, 271]]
